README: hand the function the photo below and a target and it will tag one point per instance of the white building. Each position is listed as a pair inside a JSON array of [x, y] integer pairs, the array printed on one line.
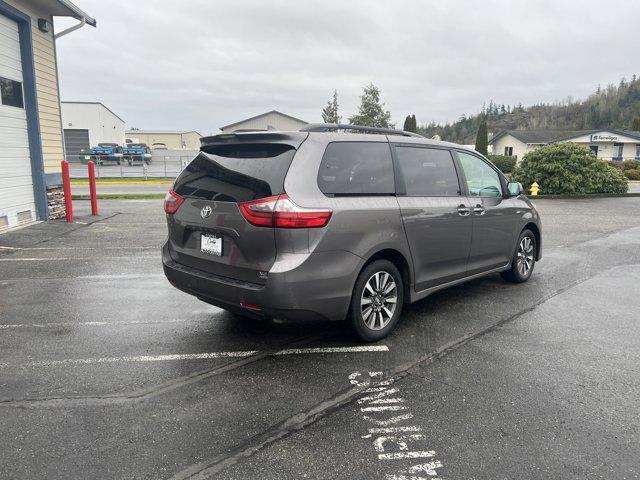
[[606, 144], [86, 124], [272, 120], [31, 146]]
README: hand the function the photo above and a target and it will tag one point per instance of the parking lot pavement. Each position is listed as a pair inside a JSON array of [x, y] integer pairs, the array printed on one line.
[[109, 372]]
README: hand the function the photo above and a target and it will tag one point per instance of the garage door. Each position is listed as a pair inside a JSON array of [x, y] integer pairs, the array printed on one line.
[[74, 141], [17, 204]]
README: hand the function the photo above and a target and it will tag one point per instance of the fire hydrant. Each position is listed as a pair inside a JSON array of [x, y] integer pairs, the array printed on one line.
[[534, 189]]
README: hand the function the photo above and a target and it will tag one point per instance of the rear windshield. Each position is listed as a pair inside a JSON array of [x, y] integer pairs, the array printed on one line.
[[236, 172]]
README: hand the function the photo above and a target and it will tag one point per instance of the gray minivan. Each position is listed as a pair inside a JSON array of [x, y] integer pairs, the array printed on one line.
[[341, 222]]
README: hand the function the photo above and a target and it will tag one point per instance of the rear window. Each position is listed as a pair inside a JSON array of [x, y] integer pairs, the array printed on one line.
[[236, 172], [356, 168]]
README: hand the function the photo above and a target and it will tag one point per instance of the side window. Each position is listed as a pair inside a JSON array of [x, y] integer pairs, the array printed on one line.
[[482, 180], [427, 171], [356, 168]]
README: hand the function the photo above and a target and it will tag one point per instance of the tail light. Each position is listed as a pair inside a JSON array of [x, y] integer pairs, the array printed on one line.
[[281, 212], [172, 202]]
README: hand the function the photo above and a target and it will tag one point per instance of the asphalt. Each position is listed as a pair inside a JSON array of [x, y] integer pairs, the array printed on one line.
[[485, 380]]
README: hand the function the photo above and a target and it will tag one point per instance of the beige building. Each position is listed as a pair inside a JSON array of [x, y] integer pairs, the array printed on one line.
[[272, 120], [605, 144], [31, 141], [171, 140]]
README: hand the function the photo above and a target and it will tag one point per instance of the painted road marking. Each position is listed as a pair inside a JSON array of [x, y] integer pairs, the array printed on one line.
[[58, 259], [91, 324], [196, 356], [391, 441]]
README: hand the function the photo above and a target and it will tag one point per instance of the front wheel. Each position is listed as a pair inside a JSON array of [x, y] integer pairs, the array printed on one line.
[[524, 259], [377, 299]]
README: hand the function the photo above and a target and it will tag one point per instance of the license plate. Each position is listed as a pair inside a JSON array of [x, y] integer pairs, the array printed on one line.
[[211, 244]]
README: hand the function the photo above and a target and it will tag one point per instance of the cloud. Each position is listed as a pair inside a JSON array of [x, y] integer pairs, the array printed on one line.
[[199, 64]]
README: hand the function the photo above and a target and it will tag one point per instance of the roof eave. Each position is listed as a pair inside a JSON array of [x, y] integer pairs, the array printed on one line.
[[77, 13]]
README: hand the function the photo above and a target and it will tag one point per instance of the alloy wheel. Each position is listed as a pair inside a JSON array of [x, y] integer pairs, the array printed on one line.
[[525, 256], [378, 301]]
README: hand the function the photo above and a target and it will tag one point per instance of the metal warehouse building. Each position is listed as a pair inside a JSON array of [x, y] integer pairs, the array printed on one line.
[[86, 124], [166, 139], [273, 120], [31, 141], [605, 144]]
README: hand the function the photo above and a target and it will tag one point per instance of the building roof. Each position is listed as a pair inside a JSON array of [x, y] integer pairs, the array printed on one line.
[[163, 132], [260, 116], [96, 103], [551, 136], [65, 8]]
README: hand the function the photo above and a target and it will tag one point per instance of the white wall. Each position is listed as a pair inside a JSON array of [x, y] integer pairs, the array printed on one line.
[[103, 126], [272, 120], [519, 148]]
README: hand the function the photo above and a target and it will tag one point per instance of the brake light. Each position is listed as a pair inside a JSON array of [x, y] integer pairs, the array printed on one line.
[[172, 202], [281, 212]]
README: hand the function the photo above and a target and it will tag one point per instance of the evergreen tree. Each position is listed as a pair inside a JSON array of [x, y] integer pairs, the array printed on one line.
[[410, 124], [407, 124], [330, 112], [371, 111], [482, 137], [635, 125]]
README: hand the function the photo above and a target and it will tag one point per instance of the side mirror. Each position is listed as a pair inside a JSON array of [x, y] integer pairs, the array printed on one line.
[[515, 189]]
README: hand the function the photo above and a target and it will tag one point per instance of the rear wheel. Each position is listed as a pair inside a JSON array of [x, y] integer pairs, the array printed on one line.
[[524, 259], [377, 299]]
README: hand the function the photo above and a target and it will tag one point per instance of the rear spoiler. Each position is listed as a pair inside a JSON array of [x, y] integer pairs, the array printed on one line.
[[294, 139]]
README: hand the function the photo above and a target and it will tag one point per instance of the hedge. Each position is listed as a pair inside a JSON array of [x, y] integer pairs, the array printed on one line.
[[568, 168], [504, 163]]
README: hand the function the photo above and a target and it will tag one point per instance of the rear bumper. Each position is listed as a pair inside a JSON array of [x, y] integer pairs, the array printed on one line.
[[314, 286]]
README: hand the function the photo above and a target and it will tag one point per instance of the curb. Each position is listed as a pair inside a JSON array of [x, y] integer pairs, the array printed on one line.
[[120, 196], [583, 196]]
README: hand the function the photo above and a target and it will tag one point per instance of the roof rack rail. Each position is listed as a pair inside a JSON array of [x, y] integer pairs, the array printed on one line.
[[330, 127]]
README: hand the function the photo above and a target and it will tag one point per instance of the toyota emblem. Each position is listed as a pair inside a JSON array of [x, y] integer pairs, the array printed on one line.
[[205, 212]]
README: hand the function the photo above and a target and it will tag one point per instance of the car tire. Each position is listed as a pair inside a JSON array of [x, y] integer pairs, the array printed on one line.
[[376, 302], [524, 259]]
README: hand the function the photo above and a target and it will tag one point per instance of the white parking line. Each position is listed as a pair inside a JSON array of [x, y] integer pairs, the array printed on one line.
[[196, 356], [58, 259], [90, 324]]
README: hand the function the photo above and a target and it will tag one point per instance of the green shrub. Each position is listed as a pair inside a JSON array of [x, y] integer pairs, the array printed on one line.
[[630, 164], [504, 163], [632, 174], [567, 168]]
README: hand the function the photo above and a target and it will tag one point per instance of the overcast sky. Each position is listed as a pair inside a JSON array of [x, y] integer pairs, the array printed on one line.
[[201, 64]]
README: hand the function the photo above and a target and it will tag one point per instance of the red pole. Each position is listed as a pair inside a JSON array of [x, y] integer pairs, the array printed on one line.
[[92, 188], [66, 186]]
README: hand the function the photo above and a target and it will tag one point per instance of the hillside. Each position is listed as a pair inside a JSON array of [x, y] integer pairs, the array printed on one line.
[[615, 107]]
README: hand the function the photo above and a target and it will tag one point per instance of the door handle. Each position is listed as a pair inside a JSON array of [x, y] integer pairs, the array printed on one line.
[[479, 210], [464, 211]]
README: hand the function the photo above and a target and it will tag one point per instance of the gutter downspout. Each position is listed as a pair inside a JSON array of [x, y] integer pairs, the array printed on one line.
[[82, 23]]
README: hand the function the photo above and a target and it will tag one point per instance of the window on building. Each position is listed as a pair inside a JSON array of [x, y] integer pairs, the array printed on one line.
[[11, 93], [427, 172], [482, 180], [617, 151], [638, 151], [356, 168], [508, 151], [594, 149]]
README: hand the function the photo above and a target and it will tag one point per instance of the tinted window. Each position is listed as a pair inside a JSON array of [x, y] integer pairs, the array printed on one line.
[[11, 93], [482, 180], [427, 172], [236, 173], [356, 168]]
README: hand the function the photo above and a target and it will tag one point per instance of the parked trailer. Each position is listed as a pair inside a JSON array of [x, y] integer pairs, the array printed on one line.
[[106, 153], [136, 153]]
